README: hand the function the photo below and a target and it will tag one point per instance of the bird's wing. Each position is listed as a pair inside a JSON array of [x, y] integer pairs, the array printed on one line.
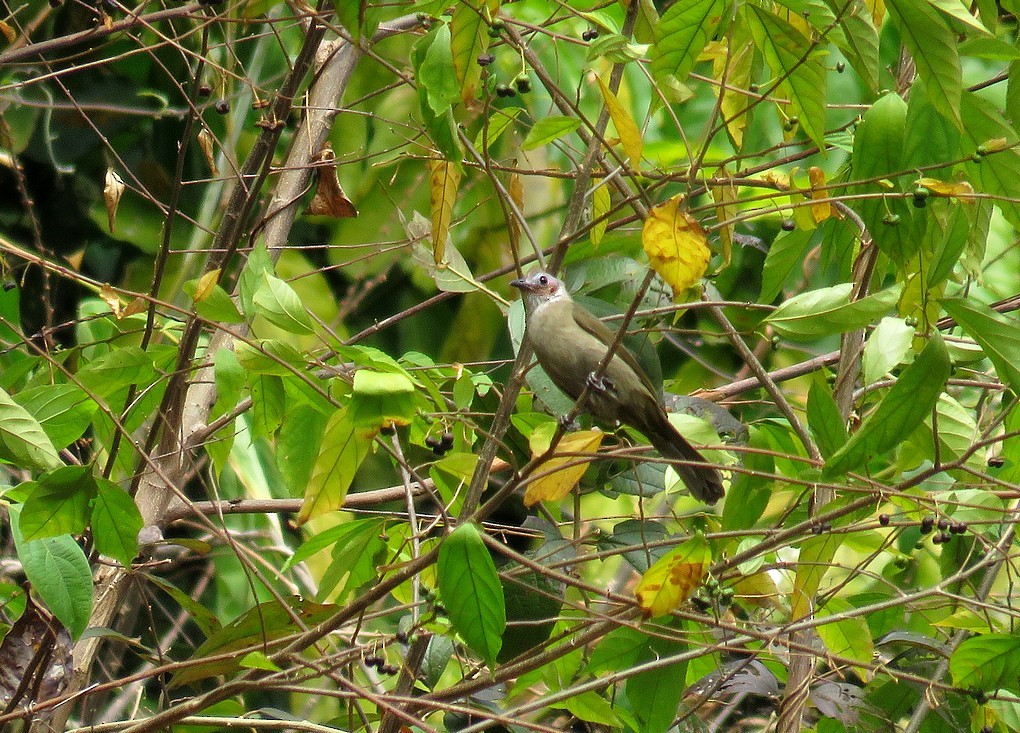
[[588, 322]]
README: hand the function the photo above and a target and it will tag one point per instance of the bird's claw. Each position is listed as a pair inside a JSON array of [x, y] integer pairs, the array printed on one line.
[[571, 426], [600, 385]]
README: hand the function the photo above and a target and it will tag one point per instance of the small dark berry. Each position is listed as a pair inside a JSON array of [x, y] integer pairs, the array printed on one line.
[[987, 729], [921, 197], [884, 520], [927, 525], [788, 225], [943, 524], [222, 106], [372, 660], [485, 59], [996, 462], [390, 669], [937, 539], [446, 440], [523, 84], [958, 527], [505, 91], [840, 67], [945, 537], [590, 34], [431, 441], [204, 90]]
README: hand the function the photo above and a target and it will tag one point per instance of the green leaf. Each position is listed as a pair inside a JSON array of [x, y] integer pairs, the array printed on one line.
[[828, 311], [344, 447], [681, 35], [22, 439], [987, 663], [847, 637], [621, 648], [354, 561], [788, 54], [998, 336], [269, 403], [496, 124], [824, 419], [116, 523], [548, 129], [258, 264], [471, 592], [469, 39], [278, 303], [878, 151], [331, 537], [217, 305], [382, 399], [933, 46], [63, 410], [113, 371], [263, 627], [886, 347], [59, 571], [437, 74], [59, 503], [297, 446], [782, 257], [813, 563], [904, 407], [998, 173], [655, 695]]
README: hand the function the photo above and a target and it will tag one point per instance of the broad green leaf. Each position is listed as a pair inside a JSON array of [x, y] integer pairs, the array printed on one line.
[[824, 419], [469, 39], [847, 637], [782, 257], [752, 485], [987, 663], [471, 592], [548, 129], [22, 439], [354, 562], [269, 403], [277, 302], [886, 347], [63, 410], [258, 264], [997, 335], [621, 648], [344, 447], [382, 399], [949, 246], [216, 306], [297, 446], [59, 503], [902, 409], [998, 173], [116, 370], [681, 35], [269, 356], [859, 40], [437, 74], [498, 122], [788, 54], [260, 628], [929, 139], [932, 44], [958, 11], [878, 151], [116, 522], [331, 537], [813, 563], [59, 572], [828, 311], [655, 695], [593, 708]]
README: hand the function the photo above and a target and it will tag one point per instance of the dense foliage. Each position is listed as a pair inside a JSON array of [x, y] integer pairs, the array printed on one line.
[[270, 445]]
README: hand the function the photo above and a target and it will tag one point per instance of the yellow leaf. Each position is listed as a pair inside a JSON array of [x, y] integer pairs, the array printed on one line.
[[8, 32], [676, 245], [601, 202], [953, 189], [109, 296], [821, 211], [560, 474], [674, 577], [626, 128], [205, 285], [207, 143], [112, 192], [444, 180]]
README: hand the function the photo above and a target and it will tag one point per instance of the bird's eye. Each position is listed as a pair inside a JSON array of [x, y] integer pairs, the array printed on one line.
[[543, 280]]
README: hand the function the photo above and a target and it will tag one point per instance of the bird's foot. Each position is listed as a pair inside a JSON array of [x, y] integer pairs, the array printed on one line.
[[571, 426], [600, 385]]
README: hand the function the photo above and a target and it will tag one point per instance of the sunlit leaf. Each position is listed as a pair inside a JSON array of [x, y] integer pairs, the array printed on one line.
[[344, 447], [987, 663], [681, 34], [672, 580], [548, 129], [626, 128], [23, 441], [556, 477], [444, 180], [675, 244]]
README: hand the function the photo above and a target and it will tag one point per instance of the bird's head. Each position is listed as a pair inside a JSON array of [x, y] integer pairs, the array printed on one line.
[[540, 287]]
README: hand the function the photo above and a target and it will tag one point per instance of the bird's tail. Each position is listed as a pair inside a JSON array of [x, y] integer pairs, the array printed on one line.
[[703, 481]]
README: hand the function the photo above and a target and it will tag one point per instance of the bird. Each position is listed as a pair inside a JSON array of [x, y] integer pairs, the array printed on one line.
[[570, 344]]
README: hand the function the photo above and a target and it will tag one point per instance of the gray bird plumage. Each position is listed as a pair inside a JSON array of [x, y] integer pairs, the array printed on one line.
[[570, 343]]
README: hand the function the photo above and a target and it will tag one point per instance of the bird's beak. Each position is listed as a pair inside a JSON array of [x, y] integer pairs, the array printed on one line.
[[519, 284]]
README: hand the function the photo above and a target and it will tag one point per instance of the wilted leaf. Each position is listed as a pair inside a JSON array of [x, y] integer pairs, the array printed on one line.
[[207, 143], [960, 190], [444, 180], [626, 128], [329, 198], [672, 580], [676, 245], [109, 296], [560, 474], [823, 210], [112, 192], [725, 197], [36, 636]]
